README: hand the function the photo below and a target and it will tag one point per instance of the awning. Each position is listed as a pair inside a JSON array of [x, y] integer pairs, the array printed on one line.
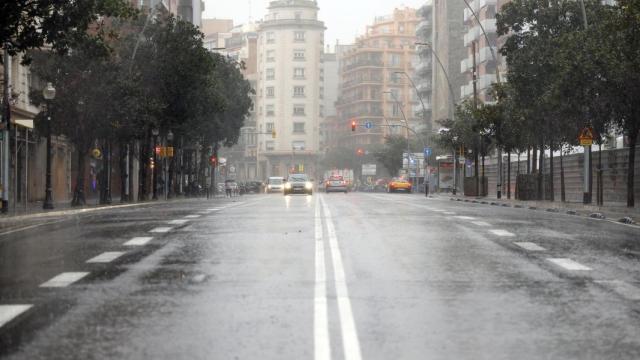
[[27, 123]]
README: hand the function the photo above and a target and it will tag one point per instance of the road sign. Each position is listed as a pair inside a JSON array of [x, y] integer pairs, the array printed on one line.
[[368, 125], [586, 137], [427, 152]]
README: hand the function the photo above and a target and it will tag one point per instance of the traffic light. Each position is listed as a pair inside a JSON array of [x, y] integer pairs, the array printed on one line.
[[273, 133], [360, 152], [353, 125], [213, 160]]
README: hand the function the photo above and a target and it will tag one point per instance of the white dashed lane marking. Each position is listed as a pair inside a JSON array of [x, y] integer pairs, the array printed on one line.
[[530, 246], [192, 216], [449, 213], [623, 288], [162, 229], [569, 264], [106, 257], [480, 223], [178, 222], [10, 312], [501, 232], [64, 279], [138, 241], [465, 217]]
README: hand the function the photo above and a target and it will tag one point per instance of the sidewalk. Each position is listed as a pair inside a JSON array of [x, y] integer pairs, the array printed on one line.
[[35, 212], [614, 212]]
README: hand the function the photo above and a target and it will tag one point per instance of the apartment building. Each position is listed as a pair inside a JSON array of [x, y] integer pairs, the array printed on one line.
[[448, 53], [290, 88], [374, 88], [423, 76], [240, 44]]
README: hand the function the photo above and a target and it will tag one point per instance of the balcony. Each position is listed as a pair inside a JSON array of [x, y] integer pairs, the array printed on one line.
[[477, 5], [475, 32]]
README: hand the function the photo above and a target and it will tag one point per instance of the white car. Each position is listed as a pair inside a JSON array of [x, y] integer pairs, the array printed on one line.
[[275, 184]]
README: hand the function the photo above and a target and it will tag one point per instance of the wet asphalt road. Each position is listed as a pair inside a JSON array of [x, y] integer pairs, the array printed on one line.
[[329, 276]]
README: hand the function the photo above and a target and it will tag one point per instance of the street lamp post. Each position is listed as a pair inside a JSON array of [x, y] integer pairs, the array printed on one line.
[[49, 94], [424, 115], [155, 132], [399, 104]]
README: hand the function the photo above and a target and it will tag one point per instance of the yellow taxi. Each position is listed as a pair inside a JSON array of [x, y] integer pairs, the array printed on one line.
[[399, 184]]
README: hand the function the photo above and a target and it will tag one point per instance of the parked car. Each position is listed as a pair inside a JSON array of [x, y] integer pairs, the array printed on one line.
[[335, 183], [298, 184]]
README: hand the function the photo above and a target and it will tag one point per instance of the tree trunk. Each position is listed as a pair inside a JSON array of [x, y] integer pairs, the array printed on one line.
[[123, 151], [534, 160], [509, 175], [552, 190], [477, 174], [518, 172], [633, 138], [528, 160], [142, 171], [78, 193], [600, 185], [563, 193], [541, 195]]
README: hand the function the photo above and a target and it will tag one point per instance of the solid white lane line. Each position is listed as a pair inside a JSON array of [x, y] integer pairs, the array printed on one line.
[[322, 342], [215, 209], [138, 241], [350, 342], [465, 217], [530, 246], [10, 312], [569, 264], [449, 213], [501, 232], [192, 216], [162, 229], [106, 257], [178, 222], [623, 288], [64, 279], [480, 223]]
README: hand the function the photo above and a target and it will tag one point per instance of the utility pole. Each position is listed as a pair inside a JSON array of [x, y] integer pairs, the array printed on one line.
[[475, 106], [5, 132]]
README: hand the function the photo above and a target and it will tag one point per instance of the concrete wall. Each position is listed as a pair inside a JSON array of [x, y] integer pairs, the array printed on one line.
[[614, 165]]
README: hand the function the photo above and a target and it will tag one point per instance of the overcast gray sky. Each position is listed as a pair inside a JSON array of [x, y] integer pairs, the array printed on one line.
[[344, 19]]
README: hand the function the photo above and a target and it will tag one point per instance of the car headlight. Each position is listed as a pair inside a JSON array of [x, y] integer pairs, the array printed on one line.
[[287, 186], [308, 185]]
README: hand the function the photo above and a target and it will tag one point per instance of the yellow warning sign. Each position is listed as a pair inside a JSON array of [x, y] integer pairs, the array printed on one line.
[[586, 137]]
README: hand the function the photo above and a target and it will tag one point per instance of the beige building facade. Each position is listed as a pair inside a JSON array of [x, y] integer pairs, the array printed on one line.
[[374, 88], [290, 88]]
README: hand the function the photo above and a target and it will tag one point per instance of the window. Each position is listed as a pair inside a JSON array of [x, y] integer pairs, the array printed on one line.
[[271, 55], [298, 91], [321, 110], [298, 145], [321, 74], [271, 110], [298, 15], [298, 128], [396, 109], [298, 36], [270, 145], [298, 54], [394, 59], [271, 37], [271, 92], [298, 110], [321, 92], [298, 73], [269, 127], [271, 74]]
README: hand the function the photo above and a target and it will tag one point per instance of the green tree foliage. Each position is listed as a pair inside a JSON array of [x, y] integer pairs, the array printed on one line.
[[32, 24]]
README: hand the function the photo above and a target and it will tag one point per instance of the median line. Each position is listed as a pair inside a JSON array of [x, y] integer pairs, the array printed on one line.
[[350, 342]]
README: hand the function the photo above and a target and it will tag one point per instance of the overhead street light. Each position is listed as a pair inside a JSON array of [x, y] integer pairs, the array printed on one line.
[[49, 93]]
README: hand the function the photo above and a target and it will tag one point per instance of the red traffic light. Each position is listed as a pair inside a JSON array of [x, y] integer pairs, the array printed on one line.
[[360, 152], [213, 160], [353, 125]]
